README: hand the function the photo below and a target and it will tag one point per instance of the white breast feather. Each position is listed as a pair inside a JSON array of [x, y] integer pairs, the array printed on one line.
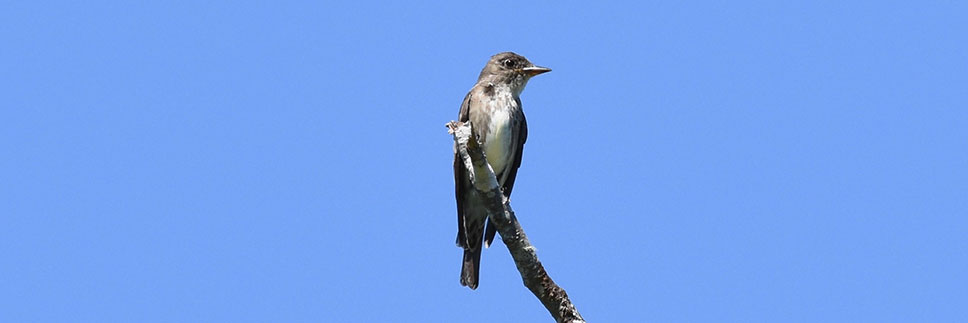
[[499, 140]]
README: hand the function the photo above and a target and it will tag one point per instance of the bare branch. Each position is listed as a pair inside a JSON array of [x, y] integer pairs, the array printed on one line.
[[499, 211]]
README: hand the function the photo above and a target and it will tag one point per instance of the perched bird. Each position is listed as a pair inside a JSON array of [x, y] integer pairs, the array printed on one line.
[[493, 106]]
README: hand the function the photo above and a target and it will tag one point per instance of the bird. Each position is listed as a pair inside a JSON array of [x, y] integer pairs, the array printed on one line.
[[493, 106]]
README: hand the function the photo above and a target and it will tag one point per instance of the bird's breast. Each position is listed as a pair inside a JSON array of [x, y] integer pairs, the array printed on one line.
[[497, 145]]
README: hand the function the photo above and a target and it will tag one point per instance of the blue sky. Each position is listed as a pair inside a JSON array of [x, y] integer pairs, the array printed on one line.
[[288, 161]]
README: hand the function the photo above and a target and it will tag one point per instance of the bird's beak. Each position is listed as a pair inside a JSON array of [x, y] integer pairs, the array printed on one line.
[[535, 70]]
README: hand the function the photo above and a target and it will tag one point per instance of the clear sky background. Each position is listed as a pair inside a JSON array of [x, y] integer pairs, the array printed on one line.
[[288, 162]]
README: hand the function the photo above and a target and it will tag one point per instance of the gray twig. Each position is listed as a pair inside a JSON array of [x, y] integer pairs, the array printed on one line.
[[499, 210]]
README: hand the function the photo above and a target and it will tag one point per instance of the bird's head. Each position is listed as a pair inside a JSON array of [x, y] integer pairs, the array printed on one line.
[[511, 69]]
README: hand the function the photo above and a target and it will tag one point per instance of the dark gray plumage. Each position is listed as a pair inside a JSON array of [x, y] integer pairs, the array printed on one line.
[[494, 108]]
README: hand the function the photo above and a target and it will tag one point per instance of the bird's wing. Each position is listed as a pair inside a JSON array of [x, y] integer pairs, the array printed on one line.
[[470, 217], [460, 176], [520, 135]]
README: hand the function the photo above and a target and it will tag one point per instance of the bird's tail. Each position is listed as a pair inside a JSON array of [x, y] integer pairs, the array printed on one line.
[[470, 272]]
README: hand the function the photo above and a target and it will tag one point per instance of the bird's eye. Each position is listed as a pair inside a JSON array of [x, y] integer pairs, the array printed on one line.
[[508, 63]]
